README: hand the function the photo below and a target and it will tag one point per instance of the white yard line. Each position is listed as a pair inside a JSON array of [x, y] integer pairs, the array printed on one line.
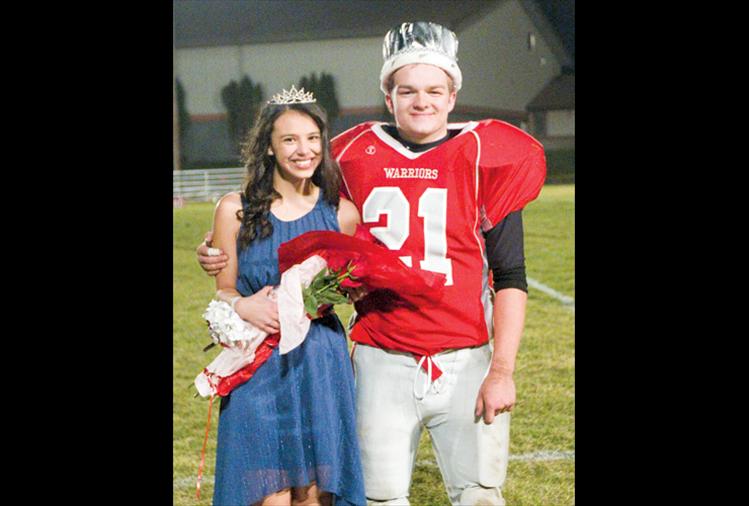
[[564, 299], [541, 456], [545, 456]]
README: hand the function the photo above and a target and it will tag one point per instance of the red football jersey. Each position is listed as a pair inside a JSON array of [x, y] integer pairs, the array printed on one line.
[[431, 207]]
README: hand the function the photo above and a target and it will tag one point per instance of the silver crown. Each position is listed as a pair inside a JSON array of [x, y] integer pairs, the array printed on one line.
[[420, 36], [420, 42], [293, 96]]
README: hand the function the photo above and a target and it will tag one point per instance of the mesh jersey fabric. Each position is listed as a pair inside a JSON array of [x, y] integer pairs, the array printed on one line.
[[432, 206]]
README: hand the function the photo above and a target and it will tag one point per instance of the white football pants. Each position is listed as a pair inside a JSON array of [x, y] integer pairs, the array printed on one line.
[[395, 400]]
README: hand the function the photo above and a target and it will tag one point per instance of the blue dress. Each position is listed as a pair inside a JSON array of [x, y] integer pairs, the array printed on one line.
[[293, 421]]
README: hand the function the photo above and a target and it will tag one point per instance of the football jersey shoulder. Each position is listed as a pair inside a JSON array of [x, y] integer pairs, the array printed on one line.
[[512, 170], [341, 141], [502, 142]]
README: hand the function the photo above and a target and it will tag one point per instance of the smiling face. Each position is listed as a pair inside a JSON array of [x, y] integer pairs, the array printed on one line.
[[296, 144], [420, 101]]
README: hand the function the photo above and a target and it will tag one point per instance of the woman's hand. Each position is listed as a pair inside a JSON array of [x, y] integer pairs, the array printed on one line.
[[260, 310]]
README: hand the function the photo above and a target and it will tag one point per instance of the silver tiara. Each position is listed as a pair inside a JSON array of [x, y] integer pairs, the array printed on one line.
[[293, 96]]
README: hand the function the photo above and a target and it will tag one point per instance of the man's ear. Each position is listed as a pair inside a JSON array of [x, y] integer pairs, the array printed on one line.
[[389, 103], [451, 101]]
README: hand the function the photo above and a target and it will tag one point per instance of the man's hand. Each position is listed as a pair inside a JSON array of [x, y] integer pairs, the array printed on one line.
[[212, 260], [496, 395], [356, 294]]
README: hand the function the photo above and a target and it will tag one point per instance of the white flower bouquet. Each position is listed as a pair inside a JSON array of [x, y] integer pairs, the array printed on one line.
[[240, 339]]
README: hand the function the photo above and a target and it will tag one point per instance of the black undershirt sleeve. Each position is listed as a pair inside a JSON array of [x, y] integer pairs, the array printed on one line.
[[505, 253]]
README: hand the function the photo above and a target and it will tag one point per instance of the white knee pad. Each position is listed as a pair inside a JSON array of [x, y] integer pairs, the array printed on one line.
[[400, 501], [481, 496]]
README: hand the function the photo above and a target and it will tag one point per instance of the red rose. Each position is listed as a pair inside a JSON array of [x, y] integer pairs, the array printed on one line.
[[337, 260], [350, 283]]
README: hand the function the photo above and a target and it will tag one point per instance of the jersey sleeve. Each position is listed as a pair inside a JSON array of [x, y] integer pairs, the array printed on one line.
[[340, 142], [512, 170], [338, 146]]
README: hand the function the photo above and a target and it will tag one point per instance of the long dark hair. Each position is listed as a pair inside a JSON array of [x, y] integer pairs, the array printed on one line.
[[258, 185]]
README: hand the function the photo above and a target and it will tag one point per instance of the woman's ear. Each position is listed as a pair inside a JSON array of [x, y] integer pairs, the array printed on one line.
[[270, 151]]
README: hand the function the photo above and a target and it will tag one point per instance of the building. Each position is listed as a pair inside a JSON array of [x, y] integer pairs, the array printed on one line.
[[508, 54], [552, 113]]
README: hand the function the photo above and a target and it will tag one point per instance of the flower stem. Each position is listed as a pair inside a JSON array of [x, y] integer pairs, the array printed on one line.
[[332, 284]]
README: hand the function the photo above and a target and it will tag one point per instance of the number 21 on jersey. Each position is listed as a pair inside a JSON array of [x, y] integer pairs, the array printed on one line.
[[391, 201]]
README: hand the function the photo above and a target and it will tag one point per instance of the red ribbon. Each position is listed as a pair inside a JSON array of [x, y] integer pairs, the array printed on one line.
[[202, 452], [262, 353], [229, 383]]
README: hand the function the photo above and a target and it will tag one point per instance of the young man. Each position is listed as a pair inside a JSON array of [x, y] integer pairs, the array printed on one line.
[[428, 189]]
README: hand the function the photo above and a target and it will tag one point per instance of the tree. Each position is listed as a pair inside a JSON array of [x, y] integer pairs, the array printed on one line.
[[184, 116], [183, 120], [242, 101], [324, 91]]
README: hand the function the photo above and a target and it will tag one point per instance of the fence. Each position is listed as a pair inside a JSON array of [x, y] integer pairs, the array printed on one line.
[[205, 184]]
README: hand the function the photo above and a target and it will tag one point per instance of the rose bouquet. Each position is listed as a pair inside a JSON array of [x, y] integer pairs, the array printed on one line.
[[317, 267]]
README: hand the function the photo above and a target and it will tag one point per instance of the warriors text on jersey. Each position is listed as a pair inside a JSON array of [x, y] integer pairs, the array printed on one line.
[[431, 207]]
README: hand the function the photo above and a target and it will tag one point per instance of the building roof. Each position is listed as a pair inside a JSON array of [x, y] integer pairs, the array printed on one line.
[[202, 23], [558, 94], [199, 23]]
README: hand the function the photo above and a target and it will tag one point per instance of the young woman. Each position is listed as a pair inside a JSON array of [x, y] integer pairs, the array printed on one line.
[[288, 435]]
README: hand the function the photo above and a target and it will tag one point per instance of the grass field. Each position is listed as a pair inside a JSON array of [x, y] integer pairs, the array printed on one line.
[[543, 419]]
